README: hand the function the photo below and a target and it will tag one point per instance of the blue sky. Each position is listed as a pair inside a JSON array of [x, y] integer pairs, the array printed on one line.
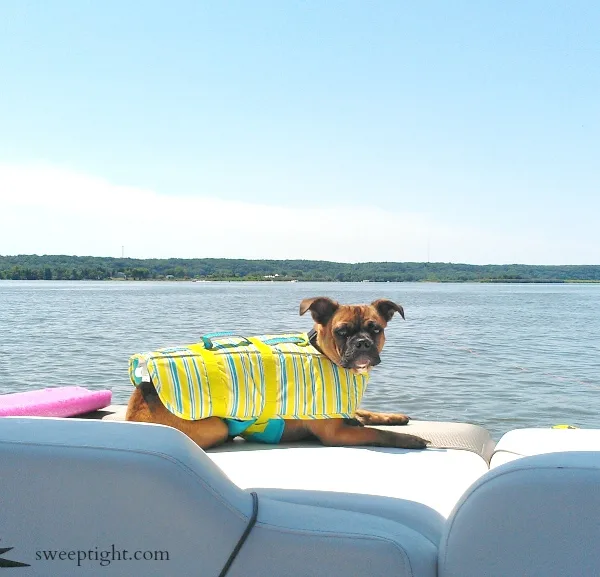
[[352, 131]]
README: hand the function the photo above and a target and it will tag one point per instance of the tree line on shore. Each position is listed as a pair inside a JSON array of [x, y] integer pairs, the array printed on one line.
[[63, 267]]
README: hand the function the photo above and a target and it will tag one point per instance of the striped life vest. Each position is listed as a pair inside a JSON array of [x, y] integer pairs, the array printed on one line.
[[272, 376]]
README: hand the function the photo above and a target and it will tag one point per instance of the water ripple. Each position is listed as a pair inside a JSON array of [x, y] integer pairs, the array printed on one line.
[[502, 356]]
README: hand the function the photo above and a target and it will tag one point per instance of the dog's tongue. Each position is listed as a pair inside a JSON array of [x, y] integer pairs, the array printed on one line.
[[362, 365]]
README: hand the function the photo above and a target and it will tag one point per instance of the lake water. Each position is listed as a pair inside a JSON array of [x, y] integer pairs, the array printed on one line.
[[502, 356]]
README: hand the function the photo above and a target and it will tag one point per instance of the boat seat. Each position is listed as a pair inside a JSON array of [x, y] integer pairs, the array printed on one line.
[[535, 515], [76, 493], [435, 479], [528, 442], [431, 481]]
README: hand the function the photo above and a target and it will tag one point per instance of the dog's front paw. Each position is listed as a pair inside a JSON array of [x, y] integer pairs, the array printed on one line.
[[389, 419], [413, 442], [396, 419]]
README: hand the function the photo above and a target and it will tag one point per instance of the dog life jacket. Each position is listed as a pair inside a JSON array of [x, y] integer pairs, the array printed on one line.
[[263, 378]]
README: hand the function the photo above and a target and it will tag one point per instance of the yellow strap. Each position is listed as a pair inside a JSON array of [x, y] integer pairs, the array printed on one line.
[[215, 369], [270, 370]]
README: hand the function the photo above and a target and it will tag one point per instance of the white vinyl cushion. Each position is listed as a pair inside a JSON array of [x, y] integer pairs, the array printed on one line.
[[536, 516], [527, 442], [434, 477]]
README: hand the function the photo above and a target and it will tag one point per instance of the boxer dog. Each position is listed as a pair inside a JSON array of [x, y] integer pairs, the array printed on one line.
[[352, 337]]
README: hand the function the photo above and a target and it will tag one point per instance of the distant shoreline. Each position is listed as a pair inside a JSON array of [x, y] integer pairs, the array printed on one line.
[[64, 267], [238, 280]]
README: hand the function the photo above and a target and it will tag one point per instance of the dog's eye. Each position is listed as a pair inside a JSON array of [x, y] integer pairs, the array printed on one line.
[[375, 329], [341, 332]]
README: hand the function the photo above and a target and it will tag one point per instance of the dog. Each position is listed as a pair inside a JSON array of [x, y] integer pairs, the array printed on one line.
[[350, 336]]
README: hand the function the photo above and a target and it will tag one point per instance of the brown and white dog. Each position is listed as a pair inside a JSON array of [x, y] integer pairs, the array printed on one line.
[[351, 336]]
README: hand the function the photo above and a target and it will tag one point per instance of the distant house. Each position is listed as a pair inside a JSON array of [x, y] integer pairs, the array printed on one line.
[[169, 277], [271, 275]]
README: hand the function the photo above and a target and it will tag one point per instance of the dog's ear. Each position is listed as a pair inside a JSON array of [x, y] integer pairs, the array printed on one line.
[[387, 308], [321, 309]]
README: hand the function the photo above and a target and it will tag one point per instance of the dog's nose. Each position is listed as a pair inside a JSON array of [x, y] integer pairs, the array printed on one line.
[[363, 343]]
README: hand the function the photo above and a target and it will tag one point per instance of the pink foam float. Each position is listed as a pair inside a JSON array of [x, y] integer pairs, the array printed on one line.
[[53, 402]]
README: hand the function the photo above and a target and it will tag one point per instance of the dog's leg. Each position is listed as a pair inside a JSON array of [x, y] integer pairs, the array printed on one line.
[[334, 432], [295, 430], [145, 407], [371, 418]]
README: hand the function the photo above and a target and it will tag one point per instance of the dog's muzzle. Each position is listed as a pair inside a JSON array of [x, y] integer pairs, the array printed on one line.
[[360, 353]]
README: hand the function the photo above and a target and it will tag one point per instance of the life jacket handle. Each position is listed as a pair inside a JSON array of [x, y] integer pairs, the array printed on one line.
[[207, 340], [208, 343]]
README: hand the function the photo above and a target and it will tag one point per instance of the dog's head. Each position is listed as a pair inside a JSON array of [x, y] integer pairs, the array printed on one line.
[[351, 336]]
